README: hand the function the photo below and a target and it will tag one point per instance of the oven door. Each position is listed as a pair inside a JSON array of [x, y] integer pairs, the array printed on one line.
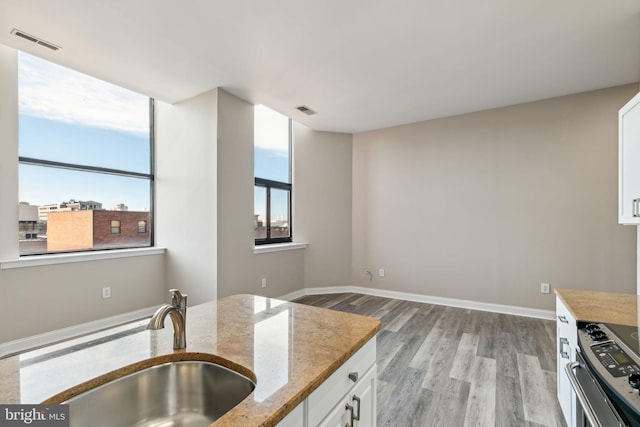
[[593, 407]]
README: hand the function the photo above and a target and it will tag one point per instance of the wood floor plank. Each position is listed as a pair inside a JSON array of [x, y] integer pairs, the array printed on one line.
[[403, 401], [536, 399], [401, 319], [506, 359], [482, 395], [463, 367], [421, 345], [429, 345], [454, 396], [509, 410], [439, 365]]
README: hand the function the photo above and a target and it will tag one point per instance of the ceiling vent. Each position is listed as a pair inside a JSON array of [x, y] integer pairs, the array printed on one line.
[[34, 39], [306, 110]]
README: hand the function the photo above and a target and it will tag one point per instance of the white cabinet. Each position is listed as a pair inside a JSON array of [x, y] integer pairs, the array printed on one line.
[[295, 418], [358, 407], [351, 389], [629, 162], [567, 335]]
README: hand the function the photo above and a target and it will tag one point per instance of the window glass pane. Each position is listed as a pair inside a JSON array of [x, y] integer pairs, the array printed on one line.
[[271, 145], [260, 212], [72, 210], [279, 213], [69, 117], [115, 227]]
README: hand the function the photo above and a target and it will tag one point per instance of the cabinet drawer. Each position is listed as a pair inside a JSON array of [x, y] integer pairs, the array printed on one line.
[[324, 398]]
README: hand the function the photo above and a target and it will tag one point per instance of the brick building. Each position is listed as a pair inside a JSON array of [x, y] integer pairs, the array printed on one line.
[[97, 229], [71, 205]]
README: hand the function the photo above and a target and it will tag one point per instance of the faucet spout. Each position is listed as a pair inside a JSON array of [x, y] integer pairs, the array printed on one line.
[[178, 313]]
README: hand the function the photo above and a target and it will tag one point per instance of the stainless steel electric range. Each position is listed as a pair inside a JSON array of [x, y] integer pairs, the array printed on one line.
[[606, 375]]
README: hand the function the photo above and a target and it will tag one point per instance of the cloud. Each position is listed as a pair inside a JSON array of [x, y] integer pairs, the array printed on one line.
[[56, 93]]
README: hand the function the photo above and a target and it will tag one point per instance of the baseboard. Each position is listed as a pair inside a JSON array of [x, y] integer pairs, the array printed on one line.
[[48, 338], [293, 295], [452, 302]]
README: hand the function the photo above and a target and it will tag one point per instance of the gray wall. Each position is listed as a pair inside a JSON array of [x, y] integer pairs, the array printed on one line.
[[322, 206], [239, 270], [321, 209], [488, 205], [35, 300]]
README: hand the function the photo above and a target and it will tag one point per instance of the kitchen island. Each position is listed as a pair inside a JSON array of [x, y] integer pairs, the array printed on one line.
[[288, 349]]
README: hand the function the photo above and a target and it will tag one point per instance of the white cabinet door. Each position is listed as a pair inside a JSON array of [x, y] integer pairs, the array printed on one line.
[[567, 335], [358, 407], [324, 400], [629, 162], [295, 418]]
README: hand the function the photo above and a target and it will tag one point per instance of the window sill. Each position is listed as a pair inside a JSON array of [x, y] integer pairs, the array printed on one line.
[[40, 260], [278, 247]]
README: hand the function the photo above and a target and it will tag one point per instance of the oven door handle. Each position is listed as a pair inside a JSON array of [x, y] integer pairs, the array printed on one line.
[[582, 398]]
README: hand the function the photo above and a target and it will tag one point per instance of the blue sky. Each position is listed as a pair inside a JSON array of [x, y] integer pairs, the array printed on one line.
[[73, 118], [70, 117]]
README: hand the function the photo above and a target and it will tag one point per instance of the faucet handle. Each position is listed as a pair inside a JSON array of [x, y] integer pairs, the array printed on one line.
[[178, 300]]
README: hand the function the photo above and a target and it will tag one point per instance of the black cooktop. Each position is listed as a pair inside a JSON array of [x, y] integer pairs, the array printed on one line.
[[628, 335]]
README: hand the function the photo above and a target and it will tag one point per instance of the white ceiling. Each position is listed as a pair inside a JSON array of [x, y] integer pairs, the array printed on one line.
[[361, 64]]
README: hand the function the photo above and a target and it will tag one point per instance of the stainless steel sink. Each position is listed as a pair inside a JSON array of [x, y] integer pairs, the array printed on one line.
[[184, 393]]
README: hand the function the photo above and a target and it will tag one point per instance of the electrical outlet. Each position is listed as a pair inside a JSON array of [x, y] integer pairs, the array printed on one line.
[[381, 272], [544, 288], [264, 282], [106, 292]]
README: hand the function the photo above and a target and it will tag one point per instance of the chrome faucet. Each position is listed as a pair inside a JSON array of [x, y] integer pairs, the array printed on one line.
[[178, 312]]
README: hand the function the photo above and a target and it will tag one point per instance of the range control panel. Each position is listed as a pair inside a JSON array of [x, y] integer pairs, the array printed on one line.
[[615, 360], [615, 366]]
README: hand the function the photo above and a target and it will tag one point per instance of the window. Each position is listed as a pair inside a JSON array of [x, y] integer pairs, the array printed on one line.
[[115, 227], [85, 151], [272, 171], [142, 226]]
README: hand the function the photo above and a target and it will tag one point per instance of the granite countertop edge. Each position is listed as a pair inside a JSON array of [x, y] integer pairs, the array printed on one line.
[[281, 402]]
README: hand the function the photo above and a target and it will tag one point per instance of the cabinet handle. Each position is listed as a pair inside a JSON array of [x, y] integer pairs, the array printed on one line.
[[357, 400], [563, 319], [563, 342], [353, 376], [350, 409], [356, 416], [636, 211]]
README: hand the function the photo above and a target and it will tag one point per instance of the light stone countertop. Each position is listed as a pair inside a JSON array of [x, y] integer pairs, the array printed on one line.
[[288, 348], [601, 307]]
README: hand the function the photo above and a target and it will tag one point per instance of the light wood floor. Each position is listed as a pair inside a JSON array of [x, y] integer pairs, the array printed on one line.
[[446, 366]]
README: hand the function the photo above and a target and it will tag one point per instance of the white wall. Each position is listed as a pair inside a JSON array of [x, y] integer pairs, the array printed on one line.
[[36, 300], [186, 194], [488, 205]]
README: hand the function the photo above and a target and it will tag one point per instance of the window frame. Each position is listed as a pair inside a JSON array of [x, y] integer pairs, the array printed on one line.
[[23, 160], [269, 184], [117, 227]]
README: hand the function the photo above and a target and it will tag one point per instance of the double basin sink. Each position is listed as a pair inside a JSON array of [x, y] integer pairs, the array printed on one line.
[[181, 393]]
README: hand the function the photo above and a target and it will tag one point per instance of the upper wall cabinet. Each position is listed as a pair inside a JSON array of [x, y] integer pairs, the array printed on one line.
[[629, 162]]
